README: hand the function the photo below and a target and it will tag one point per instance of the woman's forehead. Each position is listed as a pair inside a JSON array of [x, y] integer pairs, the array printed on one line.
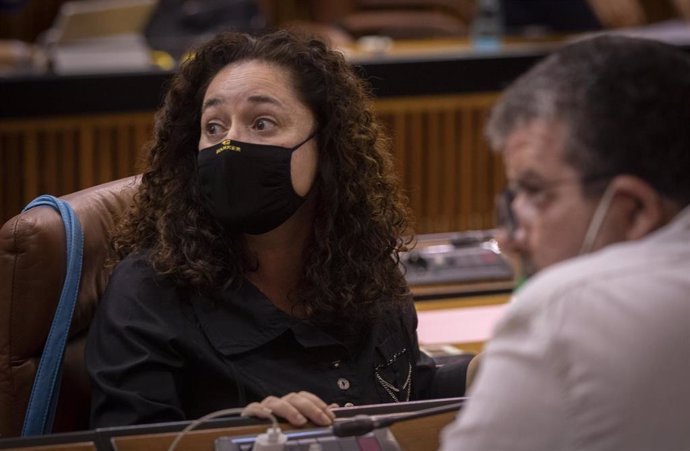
[[253, 80]]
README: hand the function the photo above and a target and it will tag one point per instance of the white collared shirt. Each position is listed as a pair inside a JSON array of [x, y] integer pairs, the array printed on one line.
[[592, 355]]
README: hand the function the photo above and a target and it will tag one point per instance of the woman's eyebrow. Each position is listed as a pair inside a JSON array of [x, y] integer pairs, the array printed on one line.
[[256, 99], [260, 98], [213, 101]]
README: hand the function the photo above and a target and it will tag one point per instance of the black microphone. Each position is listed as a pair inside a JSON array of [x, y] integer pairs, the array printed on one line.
[[361, 424]]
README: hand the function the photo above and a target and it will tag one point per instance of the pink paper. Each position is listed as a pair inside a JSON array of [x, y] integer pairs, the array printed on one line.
[[458, 325]]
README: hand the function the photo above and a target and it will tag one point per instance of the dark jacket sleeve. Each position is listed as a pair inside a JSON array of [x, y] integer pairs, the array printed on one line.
[[131, 355], [434, 381]]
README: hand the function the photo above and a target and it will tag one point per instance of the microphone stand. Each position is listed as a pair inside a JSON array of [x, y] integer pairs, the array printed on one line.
[[362, 424]]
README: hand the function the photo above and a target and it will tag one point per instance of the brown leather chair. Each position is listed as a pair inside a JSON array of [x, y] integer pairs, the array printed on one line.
[[341, 22], [400, 19], [32, 270]]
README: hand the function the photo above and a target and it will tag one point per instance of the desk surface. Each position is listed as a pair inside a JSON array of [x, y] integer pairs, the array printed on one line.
[[408, 68], [413, 435], [412, 68], [465, 323]]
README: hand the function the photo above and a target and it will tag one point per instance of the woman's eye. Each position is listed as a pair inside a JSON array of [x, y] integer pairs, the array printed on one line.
[[212, 129], [263, 124]]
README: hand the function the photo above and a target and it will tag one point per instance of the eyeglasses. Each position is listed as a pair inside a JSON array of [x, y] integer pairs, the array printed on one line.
[[536, 194]]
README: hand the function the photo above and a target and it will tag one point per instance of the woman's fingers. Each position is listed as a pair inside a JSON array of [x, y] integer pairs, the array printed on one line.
[[296, 408], [256, 410], [282, 408], [311, 406]]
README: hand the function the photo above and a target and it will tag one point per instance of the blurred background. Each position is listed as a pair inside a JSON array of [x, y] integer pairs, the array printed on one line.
[[80, 80], [175, 25]]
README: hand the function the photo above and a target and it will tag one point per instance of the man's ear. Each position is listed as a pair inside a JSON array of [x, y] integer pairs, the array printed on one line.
[[643, 209]]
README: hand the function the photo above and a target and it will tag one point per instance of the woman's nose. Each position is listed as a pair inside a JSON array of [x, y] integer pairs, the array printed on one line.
[[236, 133]]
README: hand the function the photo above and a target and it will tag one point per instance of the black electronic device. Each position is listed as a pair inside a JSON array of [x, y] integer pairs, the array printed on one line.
[[362, 432], [321, 439], [459, 257]]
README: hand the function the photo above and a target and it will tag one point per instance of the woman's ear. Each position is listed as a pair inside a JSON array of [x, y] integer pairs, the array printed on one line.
[[643, 209]]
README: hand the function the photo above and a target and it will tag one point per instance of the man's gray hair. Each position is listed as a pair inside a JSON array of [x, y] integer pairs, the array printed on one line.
[[624, 104]]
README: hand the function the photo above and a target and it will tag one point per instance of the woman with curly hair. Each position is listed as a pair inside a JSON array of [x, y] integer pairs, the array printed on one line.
[[259, 259]]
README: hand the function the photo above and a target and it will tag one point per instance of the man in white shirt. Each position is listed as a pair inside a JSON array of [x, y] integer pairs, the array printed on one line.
[[594, 352]]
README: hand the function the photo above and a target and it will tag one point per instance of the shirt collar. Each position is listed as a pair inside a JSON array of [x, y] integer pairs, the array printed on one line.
[[245, 319]]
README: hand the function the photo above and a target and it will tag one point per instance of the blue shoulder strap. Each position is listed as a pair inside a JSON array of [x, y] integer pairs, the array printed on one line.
[[44, 394]]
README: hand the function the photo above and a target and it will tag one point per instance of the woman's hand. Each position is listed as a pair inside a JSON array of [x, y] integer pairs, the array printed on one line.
[[296, 408]]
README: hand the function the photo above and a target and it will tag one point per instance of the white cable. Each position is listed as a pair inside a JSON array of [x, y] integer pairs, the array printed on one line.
[[597, 220], [272, 440], [216, 414]]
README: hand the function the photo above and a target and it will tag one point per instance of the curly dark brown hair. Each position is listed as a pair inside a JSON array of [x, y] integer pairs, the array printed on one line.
[[351, 268]]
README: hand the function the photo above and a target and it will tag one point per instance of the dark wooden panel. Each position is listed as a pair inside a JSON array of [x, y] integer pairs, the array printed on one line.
[[443, 163]]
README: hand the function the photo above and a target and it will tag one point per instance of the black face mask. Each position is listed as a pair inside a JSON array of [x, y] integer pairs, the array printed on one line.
[[247, 186]]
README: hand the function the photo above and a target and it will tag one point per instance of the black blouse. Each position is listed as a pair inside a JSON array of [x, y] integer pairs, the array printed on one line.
[[157, 353]]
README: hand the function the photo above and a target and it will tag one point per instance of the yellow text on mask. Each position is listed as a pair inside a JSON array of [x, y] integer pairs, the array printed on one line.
[[227, 145]]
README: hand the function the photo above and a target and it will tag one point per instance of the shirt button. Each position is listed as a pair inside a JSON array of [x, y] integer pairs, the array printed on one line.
[[349, 404], [343, 383], [335, 364]]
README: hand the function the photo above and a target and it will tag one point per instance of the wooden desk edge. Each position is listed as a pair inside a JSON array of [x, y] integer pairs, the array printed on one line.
[[420, 434], [79, 446]]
